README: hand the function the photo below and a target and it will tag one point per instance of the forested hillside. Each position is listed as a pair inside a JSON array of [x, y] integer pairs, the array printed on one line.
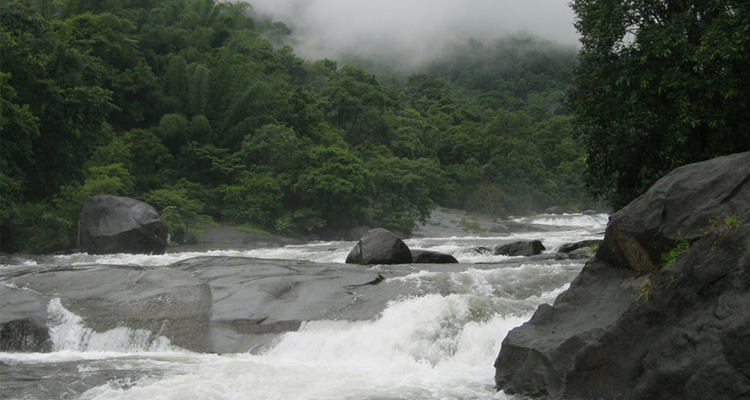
[[186, 105]]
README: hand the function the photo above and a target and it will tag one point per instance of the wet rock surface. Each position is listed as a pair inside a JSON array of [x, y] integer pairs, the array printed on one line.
[[113, 224], [432, 257], [205, 304], [173, 303], [380, 246], [520, 248], [631, 326]]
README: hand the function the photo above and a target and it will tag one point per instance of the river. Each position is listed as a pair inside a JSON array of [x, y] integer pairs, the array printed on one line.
[[435, 338]]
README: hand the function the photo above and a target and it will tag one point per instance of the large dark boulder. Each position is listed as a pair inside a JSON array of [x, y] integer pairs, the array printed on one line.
[[679, 206], [630, 327], [380, 246], [113, 224], [432, 257], [521, 248]]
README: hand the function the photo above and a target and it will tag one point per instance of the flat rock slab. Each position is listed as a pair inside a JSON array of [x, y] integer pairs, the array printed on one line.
[[173, 303], [255, 299]]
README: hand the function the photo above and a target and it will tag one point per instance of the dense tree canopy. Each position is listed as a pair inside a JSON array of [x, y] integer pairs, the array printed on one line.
[[659, 84], [184, 104]]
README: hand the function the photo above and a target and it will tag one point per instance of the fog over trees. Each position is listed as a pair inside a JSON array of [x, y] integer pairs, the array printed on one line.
[[198, 108], [409, 33]]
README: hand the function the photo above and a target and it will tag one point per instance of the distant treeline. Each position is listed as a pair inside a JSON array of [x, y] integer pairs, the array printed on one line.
[[185, 104]]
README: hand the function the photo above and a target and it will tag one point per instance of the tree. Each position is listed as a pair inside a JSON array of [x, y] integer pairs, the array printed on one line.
[[18, 128], [336, 186], [57, 86], [659, 84], [257, 198], [178, 210], [405, 190]]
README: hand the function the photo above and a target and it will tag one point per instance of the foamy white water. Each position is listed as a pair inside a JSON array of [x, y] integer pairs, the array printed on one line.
[[437, 344], [69, 333]]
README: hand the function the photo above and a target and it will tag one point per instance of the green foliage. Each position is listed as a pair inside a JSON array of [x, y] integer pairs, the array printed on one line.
[[257, 198], [183, 103], [658, 85], [669, 258], [645, 291], [471, 227], [178, 211], [724, 225], [336, 186]]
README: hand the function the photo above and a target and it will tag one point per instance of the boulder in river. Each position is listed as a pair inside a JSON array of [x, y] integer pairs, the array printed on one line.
[[521, 248], [638, 325], [114, 224], [432, 257], [380, 246]]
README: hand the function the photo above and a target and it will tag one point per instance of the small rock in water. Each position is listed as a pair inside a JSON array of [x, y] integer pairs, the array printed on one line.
[[432, 257], [521, 248]]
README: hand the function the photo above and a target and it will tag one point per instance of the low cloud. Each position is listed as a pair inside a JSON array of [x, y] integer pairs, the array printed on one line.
[[419, 30]]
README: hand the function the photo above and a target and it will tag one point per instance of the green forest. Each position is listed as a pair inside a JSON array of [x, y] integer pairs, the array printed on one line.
[[189, 106], [202, 110]]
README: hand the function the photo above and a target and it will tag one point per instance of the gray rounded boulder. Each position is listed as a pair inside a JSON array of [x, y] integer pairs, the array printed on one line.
[[520, 248], [113, 224], [432, 257], [380, 246]]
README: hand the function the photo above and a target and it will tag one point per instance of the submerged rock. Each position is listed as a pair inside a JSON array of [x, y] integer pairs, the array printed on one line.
[[113, 224], [432, 257], [23, 321], [380, 246], [584, 244], [631, 327], [520, 248], [582, 250]]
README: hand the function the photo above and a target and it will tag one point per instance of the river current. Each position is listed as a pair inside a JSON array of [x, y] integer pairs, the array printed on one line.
[[438, 342]]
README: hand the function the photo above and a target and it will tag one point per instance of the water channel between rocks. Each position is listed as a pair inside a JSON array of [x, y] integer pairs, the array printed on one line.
[[295, 322]]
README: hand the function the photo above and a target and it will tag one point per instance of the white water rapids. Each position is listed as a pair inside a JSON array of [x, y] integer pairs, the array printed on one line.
[[437, 345]]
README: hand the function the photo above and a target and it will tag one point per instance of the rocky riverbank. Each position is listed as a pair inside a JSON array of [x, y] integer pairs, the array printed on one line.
[[663, 312]]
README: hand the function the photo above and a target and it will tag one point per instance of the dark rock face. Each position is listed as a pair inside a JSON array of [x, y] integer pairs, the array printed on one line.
[[432, 257], [678, 206], [570, 247], [380, 246], [522, 248], [112, 224], [628, 330]]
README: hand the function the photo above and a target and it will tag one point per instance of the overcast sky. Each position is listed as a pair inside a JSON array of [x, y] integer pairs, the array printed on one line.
[[419, 29]]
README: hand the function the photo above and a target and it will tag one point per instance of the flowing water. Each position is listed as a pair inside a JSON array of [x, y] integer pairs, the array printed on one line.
[[439, 342]]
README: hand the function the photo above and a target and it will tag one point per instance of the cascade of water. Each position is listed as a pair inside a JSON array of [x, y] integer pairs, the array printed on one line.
[[69, 333], [439, 342]]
